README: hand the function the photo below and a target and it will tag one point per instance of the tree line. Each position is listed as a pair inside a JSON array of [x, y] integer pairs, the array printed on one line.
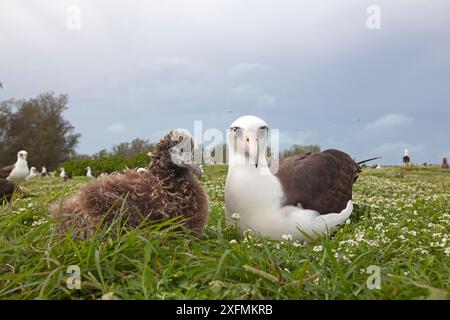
[[37, 125]]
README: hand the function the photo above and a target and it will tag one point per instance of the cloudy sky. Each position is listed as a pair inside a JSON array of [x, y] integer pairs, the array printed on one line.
[[313, 69]]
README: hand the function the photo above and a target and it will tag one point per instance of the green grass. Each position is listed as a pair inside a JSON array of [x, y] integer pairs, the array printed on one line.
[[400, 224]]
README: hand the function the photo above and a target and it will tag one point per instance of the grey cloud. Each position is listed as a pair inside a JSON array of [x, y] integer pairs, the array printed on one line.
[[302, 66]]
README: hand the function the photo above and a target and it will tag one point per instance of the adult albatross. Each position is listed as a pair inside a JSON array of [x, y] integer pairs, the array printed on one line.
[[308, 194], [18, 171]]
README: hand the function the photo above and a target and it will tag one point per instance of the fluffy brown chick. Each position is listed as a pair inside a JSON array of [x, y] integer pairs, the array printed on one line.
[[166, 190]]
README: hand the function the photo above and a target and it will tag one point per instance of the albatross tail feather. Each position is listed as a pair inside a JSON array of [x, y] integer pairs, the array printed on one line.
[[328, 222], [364, 161], [358, 165]]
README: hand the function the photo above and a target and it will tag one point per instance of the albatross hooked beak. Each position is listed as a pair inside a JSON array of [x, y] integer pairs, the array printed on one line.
[[252, 146], [196, 169], [185, 159]]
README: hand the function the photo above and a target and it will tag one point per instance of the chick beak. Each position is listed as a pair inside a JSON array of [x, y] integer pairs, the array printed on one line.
[[196, 169]]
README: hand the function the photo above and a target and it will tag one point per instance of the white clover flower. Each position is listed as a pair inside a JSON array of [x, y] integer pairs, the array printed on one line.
[[317, 248], [286, 237], [236, 216], [347, 221], [296, 244]]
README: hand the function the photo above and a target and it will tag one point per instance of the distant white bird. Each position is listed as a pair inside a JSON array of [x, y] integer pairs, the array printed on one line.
[[63, 174], [32, 174], [89, 173], [44, 172], [17, 172], [406, 158]]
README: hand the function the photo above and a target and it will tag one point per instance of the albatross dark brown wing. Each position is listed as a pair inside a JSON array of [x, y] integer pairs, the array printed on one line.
[[5, 171], [7, 189], [320, 181]]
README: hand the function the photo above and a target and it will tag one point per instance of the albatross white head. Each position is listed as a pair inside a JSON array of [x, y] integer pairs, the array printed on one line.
[[22, 156], [248, 137]]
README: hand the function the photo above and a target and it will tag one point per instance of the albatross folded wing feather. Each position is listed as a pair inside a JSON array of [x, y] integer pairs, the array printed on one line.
[[320, 181], [6, 171], [7, 189]]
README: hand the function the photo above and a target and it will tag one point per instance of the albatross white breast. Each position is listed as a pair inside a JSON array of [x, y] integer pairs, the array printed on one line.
[[308, 194]]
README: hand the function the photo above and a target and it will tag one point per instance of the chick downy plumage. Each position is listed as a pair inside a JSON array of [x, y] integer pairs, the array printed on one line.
[[166, 190]]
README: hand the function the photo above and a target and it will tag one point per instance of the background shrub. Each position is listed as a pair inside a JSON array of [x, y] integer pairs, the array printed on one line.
[[104, 164]]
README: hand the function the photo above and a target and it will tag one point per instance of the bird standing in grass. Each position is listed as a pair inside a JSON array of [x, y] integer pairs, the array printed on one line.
[[64, 175], [44, 172], [406, 158], [166, 190], [18, 171], [32, 174], [89, 173], [444, 163]]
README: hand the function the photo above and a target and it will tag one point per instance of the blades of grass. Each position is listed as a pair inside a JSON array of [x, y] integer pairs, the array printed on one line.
[[261, 273], [221, 260]]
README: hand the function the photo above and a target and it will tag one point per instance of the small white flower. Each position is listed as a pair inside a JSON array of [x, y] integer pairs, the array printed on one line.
[[233, 241], [296, 244], [347, 221], [235, 216], [317, 248], [447, 251], [286, 237]]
